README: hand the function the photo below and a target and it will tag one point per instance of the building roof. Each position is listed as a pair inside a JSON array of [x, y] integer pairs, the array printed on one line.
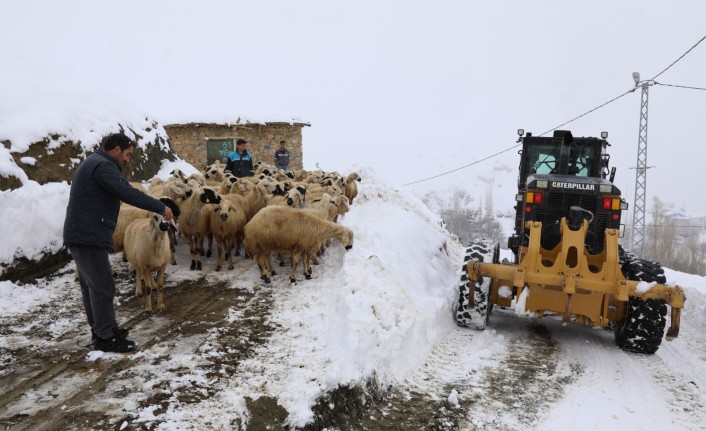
[[244, 121]]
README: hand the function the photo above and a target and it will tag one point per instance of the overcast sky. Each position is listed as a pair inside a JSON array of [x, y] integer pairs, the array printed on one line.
[[410, 88]]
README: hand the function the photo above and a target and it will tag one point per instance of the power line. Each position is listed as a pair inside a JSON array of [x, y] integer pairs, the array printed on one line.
[[573, 119], [680, 86], [465, 166], [515, 146], [669, 225], [682, 56], [589, 111]]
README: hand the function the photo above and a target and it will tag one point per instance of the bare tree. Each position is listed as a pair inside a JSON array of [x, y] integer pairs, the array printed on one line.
[[661, 237], [671, 245], [467, 221]]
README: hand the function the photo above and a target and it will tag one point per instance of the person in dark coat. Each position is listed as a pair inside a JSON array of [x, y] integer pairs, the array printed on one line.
[[97, 188], [240, 162], [281, 157]]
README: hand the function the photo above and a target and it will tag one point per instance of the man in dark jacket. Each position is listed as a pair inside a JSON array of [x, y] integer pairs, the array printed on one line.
[[281, 157], [240, 161], [97, 188]]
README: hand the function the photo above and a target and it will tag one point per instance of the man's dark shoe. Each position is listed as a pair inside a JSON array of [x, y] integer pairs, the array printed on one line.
[[118, 343], [122, 331]]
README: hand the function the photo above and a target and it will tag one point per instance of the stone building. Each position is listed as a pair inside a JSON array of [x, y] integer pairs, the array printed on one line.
[[200, 144]]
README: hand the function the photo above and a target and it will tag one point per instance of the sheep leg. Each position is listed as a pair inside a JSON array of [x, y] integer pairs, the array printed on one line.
[[149, 285], [238, 243], [262, 264], [160, 287], [305, 265], [219, 247], [296, 255], [229, 251], [280, 256], [192, 250], [312, 257], [199, 251], [209, 252], [138, 281], [270, 270], [172, 244]]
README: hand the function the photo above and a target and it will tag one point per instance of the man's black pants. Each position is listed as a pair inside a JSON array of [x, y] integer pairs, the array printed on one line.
[[97, 287]]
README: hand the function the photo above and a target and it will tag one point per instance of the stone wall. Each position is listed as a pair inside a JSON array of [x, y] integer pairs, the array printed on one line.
[[190, 140]]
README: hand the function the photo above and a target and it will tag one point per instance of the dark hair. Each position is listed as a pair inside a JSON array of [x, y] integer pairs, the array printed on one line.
[[241, 141], [281, 142], [117, 140]]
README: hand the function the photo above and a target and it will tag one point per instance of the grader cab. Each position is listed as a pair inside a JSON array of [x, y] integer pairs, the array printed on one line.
[[567, 260]]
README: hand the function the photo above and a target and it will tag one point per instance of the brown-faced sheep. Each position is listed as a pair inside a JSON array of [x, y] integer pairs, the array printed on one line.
[[147, 250], [282, 229]]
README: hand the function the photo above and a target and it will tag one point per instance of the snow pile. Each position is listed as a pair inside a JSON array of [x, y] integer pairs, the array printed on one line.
[[380, 312], [33, 219]]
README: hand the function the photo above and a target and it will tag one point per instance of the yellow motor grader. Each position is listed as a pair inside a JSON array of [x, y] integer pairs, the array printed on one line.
[[567, 260]]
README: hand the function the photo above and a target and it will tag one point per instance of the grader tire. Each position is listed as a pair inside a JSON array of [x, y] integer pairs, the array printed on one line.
[[475, 317], [637, 269], [643, 328]]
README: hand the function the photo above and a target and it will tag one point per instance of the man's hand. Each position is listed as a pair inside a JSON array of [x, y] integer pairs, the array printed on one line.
[[168, 215]]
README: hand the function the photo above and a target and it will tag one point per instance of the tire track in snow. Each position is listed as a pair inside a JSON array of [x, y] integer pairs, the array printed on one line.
[[687, 403], [505, 377]]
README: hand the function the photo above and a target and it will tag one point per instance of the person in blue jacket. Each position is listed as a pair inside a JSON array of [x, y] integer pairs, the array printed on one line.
[[97, 188], [240, 162]]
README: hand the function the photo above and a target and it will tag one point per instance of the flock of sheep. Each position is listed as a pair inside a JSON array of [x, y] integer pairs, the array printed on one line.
[[273, 211]]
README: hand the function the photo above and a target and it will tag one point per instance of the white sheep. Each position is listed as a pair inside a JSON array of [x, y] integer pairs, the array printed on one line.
[[147, 250], [227, 184], [138, 185], [176, 190], [351, 188], [227, 224], [214, 172], [128, 214], [191, 222], [178, 174], [249, 205], [283, 229], [241, 187]]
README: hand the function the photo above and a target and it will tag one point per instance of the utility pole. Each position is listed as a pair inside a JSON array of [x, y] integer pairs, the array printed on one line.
[[638, 214]]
